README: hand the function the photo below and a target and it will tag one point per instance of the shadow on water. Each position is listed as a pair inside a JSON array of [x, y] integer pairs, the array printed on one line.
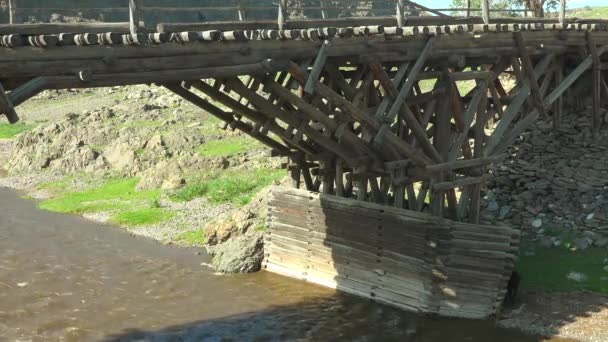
[[337, 318]]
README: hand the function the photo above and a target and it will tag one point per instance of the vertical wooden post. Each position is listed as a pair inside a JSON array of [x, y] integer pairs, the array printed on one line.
[[562, 13], [241, 11], [323, 10], [12, 11], [282, 13], [468, 8], [485, 11], [597, 83], [400, 13], [134, 15], [559, 104]]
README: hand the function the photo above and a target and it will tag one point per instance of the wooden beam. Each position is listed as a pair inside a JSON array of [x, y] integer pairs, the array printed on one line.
[[317, 67], [226, 117], [282, 14], [562, 13], [537, 95], [465, 163], [7, 108], [12, 11], [411, 78], [135, 7], [597, 83], [400, 13], [27, 90], [485, 11]]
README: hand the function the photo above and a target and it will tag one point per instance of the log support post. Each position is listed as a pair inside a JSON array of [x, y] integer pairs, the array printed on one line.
[[400, 13], [135, 7], [485, 11], [7, 108], [12, 11], [597, 83], [282, 15], [562, 13]]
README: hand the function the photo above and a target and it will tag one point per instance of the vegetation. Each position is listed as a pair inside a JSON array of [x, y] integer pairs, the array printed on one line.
[[191, 238], [8, 131], [536, 6], [115, 194], [589, 12], [548, 270], [237, 188], [142, 217], [227, 147]]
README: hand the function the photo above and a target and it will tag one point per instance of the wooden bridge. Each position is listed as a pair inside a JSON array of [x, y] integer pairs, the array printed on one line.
[[389, 126]]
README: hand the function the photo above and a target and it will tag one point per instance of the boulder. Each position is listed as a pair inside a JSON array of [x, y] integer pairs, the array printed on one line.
[[242, 254]]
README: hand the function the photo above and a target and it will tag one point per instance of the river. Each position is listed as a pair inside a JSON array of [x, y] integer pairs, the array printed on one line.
[[63, 278]]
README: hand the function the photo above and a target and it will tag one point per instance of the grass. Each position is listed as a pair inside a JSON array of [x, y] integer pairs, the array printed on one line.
[[237, 188], [191, 238], [548, 268], [115, 194], [589, 13], [227, 147], [142, 217], [8, 131]]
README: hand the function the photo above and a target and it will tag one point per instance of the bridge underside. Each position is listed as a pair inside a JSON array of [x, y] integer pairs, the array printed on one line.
[[409, 118]]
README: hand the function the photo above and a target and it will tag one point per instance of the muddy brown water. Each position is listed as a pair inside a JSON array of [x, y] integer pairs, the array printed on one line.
[[63, 278]]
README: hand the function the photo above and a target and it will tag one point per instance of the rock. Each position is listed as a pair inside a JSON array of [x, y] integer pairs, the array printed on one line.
[[581, 243], [605, 268], [165, 173], [546, 241], [492, 206], [242, 254], [504, 211], [537, 223], [219, 231], [577, 277], [601, 242], [120, 156]]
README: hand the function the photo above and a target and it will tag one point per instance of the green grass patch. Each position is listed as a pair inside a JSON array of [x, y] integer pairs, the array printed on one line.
[[56, 185], [227, 147], [8, 131], [116, 194], [548, 269], [142, 217], [235, 187], [191, 238], [589, 13]]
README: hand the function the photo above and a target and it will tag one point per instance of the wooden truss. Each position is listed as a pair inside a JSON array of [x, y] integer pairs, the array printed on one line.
[[400, 134]]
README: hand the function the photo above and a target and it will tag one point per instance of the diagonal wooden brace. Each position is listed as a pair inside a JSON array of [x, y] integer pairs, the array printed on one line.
[[7, 108]]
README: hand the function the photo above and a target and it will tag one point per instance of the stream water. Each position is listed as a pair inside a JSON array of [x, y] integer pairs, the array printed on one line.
[[63, 278]]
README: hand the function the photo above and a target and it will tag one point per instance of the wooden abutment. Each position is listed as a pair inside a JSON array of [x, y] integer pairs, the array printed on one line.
[[398, 119], [400, 257]]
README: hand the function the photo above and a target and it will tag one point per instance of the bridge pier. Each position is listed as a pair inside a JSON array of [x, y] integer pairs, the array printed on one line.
[[400, 123]]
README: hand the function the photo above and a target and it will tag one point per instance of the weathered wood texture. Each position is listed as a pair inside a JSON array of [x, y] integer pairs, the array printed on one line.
[[346, 105], [398, 257]]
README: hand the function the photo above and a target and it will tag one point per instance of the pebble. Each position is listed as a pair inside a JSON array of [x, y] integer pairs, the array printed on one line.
[[577, 277]]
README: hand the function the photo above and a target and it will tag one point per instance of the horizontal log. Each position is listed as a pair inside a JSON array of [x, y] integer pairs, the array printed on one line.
[[41, 29], [463, 164]]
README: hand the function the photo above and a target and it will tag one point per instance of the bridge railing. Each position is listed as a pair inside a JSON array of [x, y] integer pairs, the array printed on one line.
[[282, 10]]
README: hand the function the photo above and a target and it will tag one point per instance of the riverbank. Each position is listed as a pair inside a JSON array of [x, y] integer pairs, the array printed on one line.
[[141, 158]]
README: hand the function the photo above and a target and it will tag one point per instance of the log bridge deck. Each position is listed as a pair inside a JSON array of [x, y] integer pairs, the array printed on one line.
[[391, 130]]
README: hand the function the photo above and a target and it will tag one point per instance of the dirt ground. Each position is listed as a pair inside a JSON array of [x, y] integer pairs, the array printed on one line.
[[581, 316]]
